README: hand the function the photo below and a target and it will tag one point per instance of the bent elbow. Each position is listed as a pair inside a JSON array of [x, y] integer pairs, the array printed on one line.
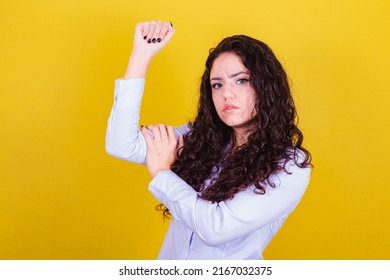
[[118, 153], [126, 153], [113, 151]]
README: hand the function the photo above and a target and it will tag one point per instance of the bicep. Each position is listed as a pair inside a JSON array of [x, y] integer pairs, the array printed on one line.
[[129, 143]]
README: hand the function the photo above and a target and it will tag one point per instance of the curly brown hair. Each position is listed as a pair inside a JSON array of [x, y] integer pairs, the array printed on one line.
[[274, 141]]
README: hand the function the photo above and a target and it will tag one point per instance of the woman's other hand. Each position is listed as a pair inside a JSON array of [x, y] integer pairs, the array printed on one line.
[[162, 147]]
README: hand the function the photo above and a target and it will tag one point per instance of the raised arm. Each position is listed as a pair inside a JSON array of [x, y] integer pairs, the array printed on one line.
[[123, 138]]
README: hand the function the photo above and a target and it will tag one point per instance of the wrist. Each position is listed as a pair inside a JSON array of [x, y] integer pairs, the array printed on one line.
[[138, 65], [156, 172]]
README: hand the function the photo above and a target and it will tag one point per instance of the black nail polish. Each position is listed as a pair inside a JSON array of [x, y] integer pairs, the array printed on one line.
[[145, 37], [154, 40], [158, 40], [171, 24], [149, 40]]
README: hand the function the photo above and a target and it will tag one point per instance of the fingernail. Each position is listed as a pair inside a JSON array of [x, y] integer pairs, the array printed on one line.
[[145, 37], [158, 40], [171, 24], [154, 40], [149, 40]]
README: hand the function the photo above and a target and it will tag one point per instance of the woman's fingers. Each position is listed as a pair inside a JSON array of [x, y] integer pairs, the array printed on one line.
[[156, 133], [162, 32], [161, 147], [171, 134], [150, 37], [169, 32], [156, 37], [163, 133], [180, 142], [153, 26], [179, 146], [147, 136], [143, 28], [160, 136], [155, 31]]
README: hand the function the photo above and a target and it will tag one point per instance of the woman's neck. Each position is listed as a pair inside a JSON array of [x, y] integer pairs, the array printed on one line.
[[241, 137]]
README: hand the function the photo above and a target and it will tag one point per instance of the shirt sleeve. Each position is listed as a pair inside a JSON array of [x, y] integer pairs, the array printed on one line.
[[124, 139], [218, 223]]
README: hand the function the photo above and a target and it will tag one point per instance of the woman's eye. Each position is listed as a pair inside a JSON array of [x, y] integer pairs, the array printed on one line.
[[242, 81], [216, 86]]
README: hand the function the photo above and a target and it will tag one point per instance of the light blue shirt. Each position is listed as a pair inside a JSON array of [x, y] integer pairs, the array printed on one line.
[[240, 228]]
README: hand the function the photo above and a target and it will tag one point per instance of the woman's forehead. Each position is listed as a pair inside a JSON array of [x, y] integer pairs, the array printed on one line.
[[228, 64]]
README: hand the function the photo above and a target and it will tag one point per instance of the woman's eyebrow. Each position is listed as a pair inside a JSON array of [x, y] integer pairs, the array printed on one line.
[[230, 76], [238, 73]]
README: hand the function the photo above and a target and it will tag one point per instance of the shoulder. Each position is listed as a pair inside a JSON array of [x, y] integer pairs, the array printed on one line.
[[183, 129]]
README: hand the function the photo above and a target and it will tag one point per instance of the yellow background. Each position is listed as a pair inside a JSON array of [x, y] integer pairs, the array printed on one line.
[[63, 197]]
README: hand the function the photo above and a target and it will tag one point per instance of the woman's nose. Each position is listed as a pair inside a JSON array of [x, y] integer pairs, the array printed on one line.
[[228, 91]]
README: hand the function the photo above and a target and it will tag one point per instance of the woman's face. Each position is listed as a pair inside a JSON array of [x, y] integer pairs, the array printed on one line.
[[233, 96]]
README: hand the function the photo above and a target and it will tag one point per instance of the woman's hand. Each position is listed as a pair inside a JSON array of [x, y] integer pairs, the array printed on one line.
[[162, 147], [149, 38]]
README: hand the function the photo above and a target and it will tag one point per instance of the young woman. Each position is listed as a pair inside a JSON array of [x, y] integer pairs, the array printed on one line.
[[230, 178]]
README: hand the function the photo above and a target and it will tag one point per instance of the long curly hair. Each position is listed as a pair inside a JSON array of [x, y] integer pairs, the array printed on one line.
[[208, 163]]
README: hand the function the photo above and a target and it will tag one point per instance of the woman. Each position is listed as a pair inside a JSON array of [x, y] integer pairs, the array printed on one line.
[[230, 178]]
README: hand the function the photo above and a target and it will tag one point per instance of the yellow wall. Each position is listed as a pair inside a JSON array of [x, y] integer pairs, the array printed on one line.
[[63, 197]]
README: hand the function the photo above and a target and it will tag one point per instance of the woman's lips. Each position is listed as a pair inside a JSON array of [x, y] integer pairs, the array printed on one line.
[[229, 108]]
